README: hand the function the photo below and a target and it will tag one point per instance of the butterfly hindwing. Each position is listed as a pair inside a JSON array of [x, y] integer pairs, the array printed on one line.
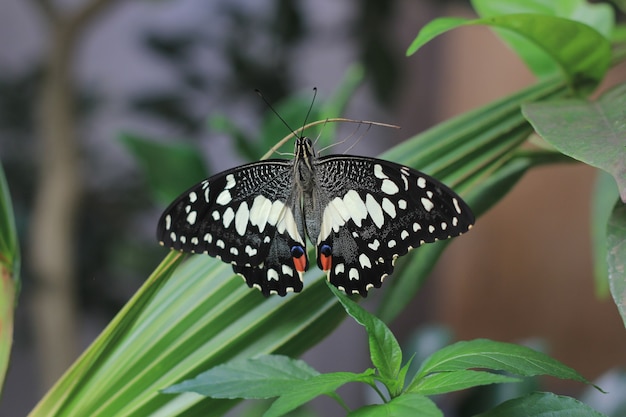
[[376, 211]]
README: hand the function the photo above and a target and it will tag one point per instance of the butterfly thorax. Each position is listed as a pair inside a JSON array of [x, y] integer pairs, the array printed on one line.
[[304, 170]]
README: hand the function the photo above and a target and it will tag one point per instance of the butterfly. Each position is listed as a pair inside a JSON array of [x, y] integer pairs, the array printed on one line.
[[359, 213]]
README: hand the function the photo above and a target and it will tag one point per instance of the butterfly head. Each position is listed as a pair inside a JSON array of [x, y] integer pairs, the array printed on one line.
[[304, 148]]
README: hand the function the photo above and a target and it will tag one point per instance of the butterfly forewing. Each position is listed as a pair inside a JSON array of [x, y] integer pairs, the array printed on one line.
[[375, 211]]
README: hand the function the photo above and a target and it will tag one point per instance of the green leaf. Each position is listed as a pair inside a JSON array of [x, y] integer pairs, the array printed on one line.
[[616, 243], [602, 203], [9, 274], [384, 348], [541, 404], [443, 382], [264, 376], [497, 356], [9, 244], [598, 16], [580, 52], [313, 387], [401, 406], [169, 168], [591, 132]]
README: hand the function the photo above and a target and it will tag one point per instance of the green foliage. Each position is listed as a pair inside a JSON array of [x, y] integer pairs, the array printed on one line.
[[540, 40], [9, 274], [591, 132], [456, 367], [542, 404]]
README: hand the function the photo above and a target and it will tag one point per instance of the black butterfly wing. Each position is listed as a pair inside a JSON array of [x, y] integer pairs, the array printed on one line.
[[374, 211], [244, 216]]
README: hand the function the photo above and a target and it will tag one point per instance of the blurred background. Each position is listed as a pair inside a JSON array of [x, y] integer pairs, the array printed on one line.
[[77, 74]]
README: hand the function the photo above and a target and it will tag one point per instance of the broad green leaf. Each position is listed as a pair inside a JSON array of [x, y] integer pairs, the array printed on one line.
[[443, 382], [497, 356], [598, 16], [602, 203], [542, 404], [616, 242], [315, 386], [264, 376], [591, 132], [384, 348], [404, 405], [580, 52], [9, 274], [169, 168]]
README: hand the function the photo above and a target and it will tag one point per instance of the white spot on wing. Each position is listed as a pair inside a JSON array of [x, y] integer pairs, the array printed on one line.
[[193, 197], [364, 261], [428, 205], [374, 210], [230, 182], [220, 243], [404, 234], [234, 251], [260, 211], [431, 228], [339, 269], [287, 270], [191, 217], [421, 182], [228, 216], [241, 218], [389, 208], [391, 243], [224, 198], [250, 250], [168, 222], [208, 238], [378, 172], [215, 215], [272, 274], [374, 245], [353, 274], [402, 204], [194, 240], [456, 205], [389, 187], [416, 227]]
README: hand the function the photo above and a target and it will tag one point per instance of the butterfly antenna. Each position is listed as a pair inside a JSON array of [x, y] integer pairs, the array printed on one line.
[[266, 101], [308, 113]]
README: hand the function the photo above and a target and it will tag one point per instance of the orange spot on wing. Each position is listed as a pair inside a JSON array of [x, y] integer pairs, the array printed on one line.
[[300, 263], [325, 262]]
